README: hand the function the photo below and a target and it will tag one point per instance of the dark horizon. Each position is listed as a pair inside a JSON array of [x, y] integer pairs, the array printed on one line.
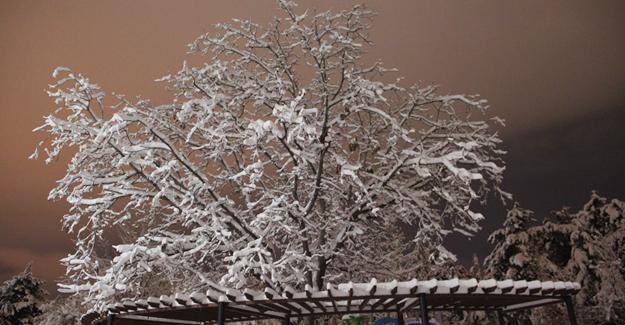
[[555, 71]]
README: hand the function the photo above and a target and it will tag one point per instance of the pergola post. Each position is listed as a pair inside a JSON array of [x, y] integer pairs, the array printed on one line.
[[400, 317], [570, 308], [221, 313], [500, 318], [110, 319], [286, 321], [424, 309]]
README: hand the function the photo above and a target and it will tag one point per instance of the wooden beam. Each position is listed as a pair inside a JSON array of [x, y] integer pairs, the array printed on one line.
[[272, 305], [262, 314], [158, 320], [377, 303], [409, 303], [393, 301], [364, 302], [289, 306], [305, 305], [320, 305]]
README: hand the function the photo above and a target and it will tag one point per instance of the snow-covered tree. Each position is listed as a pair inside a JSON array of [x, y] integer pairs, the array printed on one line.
[[63, 309], [282, 161], [587, 246], [20, 299], [596, 255], [511, 252]]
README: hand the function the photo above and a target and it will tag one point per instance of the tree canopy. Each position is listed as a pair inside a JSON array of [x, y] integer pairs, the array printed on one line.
[[284, 160]]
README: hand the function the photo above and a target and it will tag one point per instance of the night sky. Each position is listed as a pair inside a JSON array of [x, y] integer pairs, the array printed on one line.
[[555, 71]]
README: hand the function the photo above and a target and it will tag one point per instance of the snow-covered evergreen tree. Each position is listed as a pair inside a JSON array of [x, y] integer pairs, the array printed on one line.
[[510, 256], [587, 246], [20, 299], [281, 161], [594, 255]]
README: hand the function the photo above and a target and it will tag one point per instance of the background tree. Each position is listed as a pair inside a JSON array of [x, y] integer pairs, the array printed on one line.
[[20, 299], [64, 309], [587, 247], [514, 254], [280, 162], [511, 257]]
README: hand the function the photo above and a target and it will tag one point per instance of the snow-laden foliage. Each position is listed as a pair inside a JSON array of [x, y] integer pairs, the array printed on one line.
[[511, 255], [62, 310], [284, 160], [20, 299], [587, 246]]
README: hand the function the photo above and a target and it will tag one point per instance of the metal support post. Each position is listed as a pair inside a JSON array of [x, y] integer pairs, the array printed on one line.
[[286, 321], [110, 319], [424, 309], [570, 308], [221, 313]]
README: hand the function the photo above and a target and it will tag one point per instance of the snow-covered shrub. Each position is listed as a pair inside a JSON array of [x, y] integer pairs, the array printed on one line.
[[20, 299]]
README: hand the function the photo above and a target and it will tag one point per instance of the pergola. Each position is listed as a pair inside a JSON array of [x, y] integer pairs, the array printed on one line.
[[229, 305]]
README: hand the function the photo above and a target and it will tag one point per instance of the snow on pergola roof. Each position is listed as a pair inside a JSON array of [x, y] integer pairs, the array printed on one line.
[[371, 297]]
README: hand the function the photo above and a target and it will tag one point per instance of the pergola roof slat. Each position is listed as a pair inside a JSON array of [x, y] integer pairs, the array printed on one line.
[[559, 287], [505, 285], [407, 287], [213, 295], [235, 295], [183, 299], [451, 285], [428, 286], [534, 286], [488, 286], [533, 303], [199, 298], [154, 302], [467, 286], [520, 286], [547, 287], [166, 301], [142, 303], [130, 305]]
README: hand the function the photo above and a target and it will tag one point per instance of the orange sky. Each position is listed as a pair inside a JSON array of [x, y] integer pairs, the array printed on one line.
[[541, 65]]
